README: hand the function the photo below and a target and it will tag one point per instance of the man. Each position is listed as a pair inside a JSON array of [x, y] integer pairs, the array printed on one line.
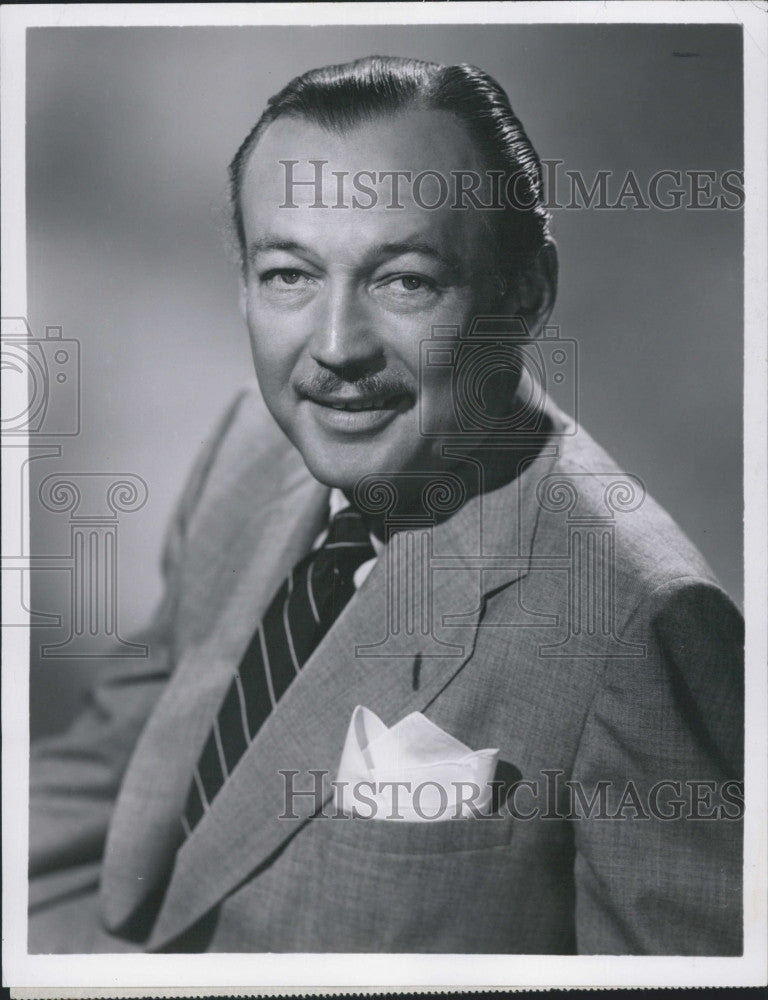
[[399, 522]]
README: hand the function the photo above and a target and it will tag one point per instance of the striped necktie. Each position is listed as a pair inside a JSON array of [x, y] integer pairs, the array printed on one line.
[[300, 614]]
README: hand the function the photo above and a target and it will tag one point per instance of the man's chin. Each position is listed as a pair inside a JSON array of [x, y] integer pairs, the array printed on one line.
[[343, 475], [344, 467]]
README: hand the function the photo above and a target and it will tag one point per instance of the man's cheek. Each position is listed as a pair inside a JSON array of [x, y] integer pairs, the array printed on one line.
[[269, 350], [436, 410]]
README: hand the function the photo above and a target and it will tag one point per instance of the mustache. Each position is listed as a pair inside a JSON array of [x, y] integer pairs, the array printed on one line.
[[326, 383]]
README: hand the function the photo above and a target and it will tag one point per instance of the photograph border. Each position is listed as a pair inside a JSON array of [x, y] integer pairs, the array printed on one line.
[[285, 973]]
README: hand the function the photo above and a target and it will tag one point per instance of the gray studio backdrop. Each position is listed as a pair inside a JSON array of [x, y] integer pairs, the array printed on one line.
[[129, 133]]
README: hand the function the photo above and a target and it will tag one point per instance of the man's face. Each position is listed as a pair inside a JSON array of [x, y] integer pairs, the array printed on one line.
[[338, 300]]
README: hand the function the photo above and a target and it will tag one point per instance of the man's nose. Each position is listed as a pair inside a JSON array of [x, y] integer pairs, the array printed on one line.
[[344, 337]]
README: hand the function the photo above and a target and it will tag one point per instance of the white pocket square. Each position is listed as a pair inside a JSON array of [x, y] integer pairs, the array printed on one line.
[[437, 776]]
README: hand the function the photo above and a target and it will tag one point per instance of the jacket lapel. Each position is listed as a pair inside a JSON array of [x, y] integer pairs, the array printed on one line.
[[256, 552], [365, 659]]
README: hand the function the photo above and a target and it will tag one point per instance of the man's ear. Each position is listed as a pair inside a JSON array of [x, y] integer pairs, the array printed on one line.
[[534, 291]]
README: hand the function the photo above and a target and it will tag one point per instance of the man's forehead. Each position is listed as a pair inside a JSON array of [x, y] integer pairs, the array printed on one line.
[[414, 139], [304, 177]]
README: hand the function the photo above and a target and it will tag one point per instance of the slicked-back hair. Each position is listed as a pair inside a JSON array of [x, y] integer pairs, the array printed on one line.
[[342, 96]]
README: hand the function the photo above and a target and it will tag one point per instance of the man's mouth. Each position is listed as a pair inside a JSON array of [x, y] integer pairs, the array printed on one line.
[[356, 403], [356, 413]]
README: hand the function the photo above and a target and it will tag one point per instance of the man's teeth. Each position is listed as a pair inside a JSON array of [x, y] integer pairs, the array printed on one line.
[[358, 405]]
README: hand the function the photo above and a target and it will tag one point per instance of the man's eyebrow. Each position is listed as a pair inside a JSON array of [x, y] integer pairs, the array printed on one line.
[[264, 243], [397, 248], [417, 245]]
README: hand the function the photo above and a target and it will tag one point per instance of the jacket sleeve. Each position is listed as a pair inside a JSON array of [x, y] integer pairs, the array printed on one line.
[[662, 747], [75, 777]]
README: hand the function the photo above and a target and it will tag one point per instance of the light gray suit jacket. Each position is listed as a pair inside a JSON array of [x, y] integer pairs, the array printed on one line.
[[573, 627]]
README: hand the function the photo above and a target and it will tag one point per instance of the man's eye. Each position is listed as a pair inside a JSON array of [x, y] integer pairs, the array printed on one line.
[[411, 283], [289, 277], [284, 277]]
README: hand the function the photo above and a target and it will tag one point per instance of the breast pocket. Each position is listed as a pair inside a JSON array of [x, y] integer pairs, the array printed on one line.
[[457, 886], [374, 885], [400, 837]]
